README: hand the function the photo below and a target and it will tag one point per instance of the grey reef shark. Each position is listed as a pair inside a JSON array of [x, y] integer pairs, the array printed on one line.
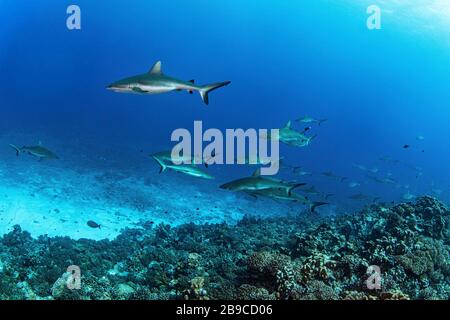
[[155, 82]]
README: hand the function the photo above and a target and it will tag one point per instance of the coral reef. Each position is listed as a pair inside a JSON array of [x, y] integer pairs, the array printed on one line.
[[284, 258]]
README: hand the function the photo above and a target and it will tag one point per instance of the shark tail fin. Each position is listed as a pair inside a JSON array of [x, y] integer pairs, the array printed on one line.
[[15, 148], [205, 90], [162, 165], [293, 187], [316, 205]]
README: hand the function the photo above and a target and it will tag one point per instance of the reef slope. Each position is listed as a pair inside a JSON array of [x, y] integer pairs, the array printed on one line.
[[284, 258]]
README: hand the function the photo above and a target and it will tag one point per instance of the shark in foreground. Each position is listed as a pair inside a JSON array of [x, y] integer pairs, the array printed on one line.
[[190, 170], [38, 151], [155, 82], [257, 182]]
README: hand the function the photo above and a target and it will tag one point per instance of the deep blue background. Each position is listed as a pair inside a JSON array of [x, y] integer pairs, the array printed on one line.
[[379, 89]]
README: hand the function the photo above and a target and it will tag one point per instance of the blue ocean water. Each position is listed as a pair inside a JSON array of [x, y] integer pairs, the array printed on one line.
[[378, 89]]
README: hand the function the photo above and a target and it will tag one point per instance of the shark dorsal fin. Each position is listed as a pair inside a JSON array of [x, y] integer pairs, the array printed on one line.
[[257, 173], [289, 124], [156, 69]]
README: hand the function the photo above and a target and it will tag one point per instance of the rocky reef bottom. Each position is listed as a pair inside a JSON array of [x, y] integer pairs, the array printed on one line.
[[308, 257]]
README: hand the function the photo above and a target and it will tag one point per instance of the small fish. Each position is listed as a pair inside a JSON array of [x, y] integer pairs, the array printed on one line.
[[381, 180], [436, 191], [359, 196], [389, 160], [37, 151], [354, 184], [420, 138], [330, 174], [93, 224], [406, 146], [299, 172], [408, 196], [360, 167]]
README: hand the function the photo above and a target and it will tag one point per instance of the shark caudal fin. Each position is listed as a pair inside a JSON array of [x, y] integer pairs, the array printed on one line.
[[289, 191], [205, 90], [162, 165], [317, 204], [15, 148]]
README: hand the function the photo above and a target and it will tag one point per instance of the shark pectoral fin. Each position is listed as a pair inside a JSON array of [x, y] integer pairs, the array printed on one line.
[[293, 187], [138, 90], [257, 173], [317, 204], [193, 82], [15, 148]]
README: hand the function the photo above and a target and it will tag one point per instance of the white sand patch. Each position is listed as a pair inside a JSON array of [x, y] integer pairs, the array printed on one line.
[[45, 199]]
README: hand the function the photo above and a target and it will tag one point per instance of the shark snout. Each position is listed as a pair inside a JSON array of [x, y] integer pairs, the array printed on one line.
[[118, 87], [110, 87], [224, 186]]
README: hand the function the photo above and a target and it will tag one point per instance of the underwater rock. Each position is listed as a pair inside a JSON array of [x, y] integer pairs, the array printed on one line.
[[124, 291], [59, 288], [267, 262], [27, 291], [284, 258], [249, 292], [197, 290], [317, 290]]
